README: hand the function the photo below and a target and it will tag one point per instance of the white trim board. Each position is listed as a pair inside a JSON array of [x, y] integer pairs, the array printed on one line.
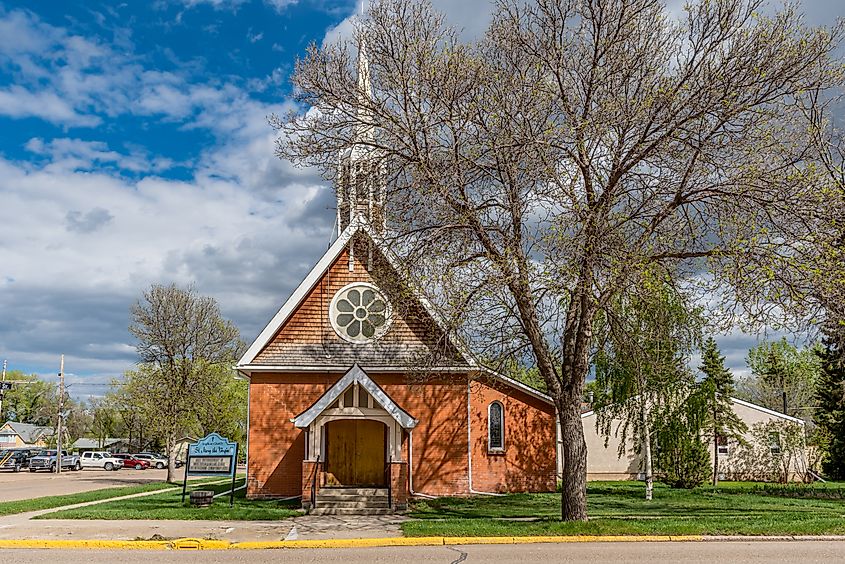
[[518, 385], [298, 295], [355, 374], [767, 411], [328, 369]]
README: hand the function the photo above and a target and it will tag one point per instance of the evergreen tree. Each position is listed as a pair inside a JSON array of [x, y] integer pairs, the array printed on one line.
[[830, 416], [718, 386]]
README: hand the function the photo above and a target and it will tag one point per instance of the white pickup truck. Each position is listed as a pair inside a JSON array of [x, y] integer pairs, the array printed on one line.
[[100, 459]]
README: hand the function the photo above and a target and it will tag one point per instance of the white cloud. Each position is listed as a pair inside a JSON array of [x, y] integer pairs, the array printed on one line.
[[234, 5], [469, 17], [18, 102], [88, 224]]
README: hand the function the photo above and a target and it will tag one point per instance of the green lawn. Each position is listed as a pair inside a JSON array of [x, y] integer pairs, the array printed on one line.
[[11, 507], [168, 505], [618, 508]]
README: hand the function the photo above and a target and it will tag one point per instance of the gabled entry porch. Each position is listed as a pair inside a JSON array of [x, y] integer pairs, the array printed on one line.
[[353, 448]]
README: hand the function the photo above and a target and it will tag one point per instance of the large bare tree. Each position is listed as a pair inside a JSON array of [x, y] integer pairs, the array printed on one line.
[[534, 174]]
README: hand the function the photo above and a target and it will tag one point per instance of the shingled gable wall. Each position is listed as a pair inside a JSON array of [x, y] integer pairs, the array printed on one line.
[[307, 338]]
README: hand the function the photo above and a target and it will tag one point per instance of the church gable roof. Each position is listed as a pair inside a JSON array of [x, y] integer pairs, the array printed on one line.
[[355, 374], [300, 335]]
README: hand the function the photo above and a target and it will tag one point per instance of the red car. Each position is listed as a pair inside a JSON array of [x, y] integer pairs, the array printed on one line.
[[130, 461]]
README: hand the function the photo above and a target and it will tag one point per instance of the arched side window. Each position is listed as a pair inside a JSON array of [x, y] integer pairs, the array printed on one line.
[[496, 427]]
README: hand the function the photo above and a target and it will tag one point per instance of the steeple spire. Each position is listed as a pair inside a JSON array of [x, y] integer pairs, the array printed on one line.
[[360, 181], [364, 133]]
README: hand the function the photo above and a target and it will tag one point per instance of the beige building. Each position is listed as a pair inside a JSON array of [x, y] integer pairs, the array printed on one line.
[[15, 435], [773, 448]]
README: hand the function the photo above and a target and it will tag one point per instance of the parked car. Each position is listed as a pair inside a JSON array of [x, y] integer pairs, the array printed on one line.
[[100, 459], [129, 461], [155, 460], [46, 460], [14, 459]]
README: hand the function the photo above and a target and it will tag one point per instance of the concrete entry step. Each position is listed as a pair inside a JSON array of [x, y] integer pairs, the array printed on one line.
[[357, 504], [350, 511], [361, 492]]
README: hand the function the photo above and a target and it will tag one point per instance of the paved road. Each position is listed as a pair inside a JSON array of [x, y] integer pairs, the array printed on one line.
[[27, 485], [809, 552]]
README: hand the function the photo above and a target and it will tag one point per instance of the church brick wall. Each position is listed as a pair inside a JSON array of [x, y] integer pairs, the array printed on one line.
[[528, 462], [439, 466]]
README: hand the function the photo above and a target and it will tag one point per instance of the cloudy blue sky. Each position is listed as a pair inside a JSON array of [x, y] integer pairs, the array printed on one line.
[[134, 149]]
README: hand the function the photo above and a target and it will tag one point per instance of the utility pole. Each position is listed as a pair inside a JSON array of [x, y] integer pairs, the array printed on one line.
[[61, 413], [2, 389]]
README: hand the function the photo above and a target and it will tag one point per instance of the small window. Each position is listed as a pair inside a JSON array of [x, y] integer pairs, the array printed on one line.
[[496, 427], [362, 397], [348, 397], [722, 445], [774, 442]]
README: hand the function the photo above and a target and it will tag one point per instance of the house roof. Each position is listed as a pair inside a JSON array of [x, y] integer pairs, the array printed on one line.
[[355, 374], [748, 404], [95, 443], [28, 432], [382, 353]]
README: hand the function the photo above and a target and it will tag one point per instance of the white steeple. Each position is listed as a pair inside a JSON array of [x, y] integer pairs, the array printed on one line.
[[360, 181]]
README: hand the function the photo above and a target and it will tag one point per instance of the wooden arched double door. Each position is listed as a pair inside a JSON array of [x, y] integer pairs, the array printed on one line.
[[355, 453]]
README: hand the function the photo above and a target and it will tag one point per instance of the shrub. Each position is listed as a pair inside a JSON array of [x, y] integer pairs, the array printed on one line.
[[683, 463]]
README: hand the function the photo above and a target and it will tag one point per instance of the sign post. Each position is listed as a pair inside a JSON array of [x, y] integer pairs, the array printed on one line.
[[212, 455]]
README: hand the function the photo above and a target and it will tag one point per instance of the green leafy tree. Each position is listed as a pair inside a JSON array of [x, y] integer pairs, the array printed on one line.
[[224, 409], [131, 420], [33, 401], [648, 337], [105, 421], [681, 457], [830, 415], [184, 346], [722, 422], [783, 378]]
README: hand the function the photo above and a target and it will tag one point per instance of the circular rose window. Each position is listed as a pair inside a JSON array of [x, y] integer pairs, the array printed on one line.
[[359, 312]]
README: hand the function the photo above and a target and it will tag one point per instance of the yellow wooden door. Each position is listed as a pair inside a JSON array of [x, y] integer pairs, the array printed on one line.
[[369, 453], [355, 451]]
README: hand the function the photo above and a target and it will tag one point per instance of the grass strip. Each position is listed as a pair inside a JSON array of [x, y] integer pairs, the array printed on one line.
[[168, 505], [49, 502], [618, 508]]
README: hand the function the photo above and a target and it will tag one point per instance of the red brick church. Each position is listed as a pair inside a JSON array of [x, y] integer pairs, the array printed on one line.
[[340, 400]]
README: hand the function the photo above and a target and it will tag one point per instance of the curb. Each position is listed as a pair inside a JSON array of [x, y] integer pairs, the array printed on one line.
[[208, 544]]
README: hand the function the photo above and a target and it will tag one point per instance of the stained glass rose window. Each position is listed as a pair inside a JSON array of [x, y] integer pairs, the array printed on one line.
[[360, 312]]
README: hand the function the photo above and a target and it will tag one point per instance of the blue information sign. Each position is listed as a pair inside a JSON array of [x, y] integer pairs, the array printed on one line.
[[212, 455]]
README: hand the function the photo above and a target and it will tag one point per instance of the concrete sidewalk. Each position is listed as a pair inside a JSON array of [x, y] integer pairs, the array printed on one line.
[[305, 527]]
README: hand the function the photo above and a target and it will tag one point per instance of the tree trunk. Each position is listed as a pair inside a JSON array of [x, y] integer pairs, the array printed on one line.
[[171, 459], [574, 486], [649, 477], [575, 353], [715, 448]]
